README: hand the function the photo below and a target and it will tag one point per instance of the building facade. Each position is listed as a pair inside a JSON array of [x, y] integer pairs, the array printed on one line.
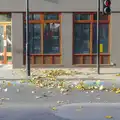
[[62, 33]]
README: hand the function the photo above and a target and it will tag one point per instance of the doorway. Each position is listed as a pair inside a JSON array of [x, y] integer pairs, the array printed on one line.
[[5, 44]]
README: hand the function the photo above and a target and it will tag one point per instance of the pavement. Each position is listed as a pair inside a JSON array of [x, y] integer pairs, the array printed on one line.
[[86, 73], [19, 102], [107, 77], [23, 101]]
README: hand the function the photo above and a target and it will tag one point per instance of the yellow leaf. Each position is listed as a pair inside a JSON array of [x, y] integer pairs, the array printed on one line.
[[108, 117], [118, 74], [118, 91], [9, 84], [54, 108], [114, 89]]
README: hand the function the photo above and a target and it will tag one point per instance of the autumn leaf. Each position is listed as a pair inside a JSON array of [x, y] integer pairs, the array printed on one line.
[[54, 108], [108, 117], [118, 91], [118, 74], [9, 84]]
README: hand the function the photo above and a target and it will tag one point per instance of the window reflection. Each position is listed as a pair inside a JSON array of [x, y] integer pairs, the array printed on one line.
[[81, 38], [82, 17], [5, 17], [1, 39], [103, 37], [51, 38], [49, 16], [9, 42], [35, 36], [33, 17]]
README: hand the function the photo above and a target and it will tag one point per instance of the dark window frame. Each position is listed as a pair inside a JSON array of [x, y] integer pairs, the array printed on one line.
[[45, 58], [79, 58]]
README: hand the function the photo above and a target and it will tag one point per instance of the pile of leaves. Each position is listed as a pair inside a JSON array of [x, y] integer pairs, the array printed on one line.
[[48, 79]]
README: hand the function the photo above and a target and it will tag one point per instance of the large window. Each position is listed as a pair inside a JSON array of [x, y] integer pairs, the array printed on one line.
[[45, 39], [85, 39]]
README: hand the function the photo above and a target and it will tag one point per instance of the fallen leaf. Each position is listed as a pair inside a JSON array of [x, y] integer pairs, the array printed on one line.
[[49, 91], [92, 91], [9, 84], [108, 117], [98, 98], [59, 102], [101, 87], [37, 97], [118, 74], [118, 91], [7, 98], [79, 108], [54, 108], [33, 91], [5, 90], [18, 90]]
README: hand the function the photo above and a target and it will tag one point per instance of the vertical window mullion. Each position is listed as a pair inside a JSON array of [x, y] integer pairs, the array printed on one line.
[[42, 37], [91, 37], [32, 42]]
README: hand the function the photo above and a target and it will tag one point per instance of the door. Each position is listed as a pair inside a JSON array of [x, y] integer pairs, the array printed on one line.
[[5, 44]]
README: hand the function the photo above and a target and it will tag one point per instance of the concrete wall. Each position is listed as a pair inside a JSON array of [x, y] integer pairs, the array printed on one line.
[[67, 7], [115, 39], [67, 28], [17, 40], [54, 5]]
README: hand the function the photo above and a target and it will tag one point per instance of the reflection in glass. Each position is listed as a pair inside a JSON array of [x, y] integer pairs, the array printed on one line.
[[49, 16], [81, 38], [1, 42], [33, 17], [8, 35], [51, 38], [82, 17], [103, 37], [5, 17], [35, 36]]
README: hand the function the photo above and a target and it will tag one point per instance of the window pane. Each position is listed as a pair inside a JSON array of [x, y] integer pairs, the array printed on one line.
[[53, 16], [102, 17], [33, 17], [9, 40], [81, 38], [5, 17], [103, 37], [34, 38], [51, 38], [1, 39], [82, 17]]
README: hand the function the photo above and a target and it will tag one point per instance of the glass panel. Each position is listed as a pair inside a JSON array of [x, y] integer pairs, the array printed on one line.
[[103, 38], [49, 16], [9, 41], [82, 17], [9, 58], [35, 37], [1, 42], [33, 17], [5, 17], [102, 17], [81, 38], [51, 38]]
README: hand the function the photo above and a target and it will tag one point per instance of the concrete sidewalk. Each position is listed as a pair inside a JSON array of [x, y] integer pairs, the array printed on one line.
[[7, 73]]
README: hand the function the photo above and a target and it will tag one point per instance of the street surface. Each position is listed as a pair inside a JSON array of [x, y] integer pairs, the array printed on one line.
[[25, 102]]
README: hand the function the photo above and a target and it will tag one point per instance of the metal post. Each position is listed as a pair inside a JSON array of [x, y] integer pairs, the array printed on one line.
[[27, 40], [98, 36]]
